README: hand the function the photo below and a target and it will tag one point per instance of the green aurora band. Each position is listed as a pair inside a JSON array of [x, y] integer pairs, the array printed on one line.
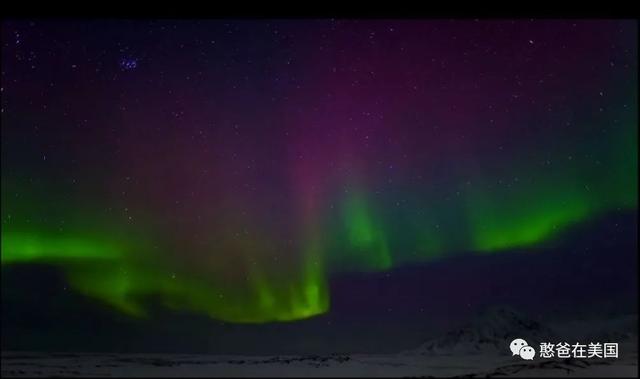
[[127, 273]]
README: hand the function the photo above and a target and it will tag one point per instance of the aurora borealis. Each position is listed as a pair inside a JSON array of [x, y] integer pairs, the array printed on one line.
[[230, 168]]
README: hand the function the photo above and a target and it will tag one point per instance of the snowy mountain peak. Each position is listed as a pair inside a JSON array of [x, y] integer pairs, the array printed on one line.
[[491, 331]]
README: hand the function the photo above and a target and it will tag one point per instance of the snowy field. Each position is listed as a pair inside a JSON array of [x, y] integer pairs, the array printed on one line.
[[477, 349], [413, 365]]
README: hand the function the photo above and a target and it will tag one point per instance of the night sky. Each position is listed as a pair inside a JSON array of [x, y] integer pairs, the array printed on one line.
[[233, 169]]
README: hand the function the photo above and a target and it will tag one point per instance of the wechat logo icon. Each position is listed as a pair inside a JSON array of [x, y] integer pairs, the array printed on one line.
[[521, 348]]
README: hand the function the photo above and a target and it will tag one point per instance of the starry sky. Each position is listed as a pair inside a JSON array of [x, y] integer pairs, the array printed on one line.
[[233, 168]]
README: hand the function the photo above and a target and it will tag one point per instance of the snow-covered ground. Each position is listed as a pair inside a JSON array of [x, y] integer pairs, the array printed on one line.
[[479, 349], [20, 364]]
